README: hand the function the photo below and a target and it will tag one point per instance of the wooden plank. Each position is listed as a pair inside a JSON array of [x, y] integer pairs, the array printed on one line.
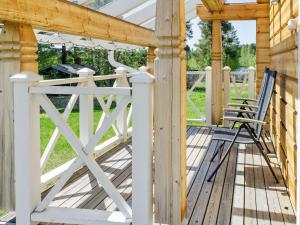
[[66, 17], [262, 208], [250, 216], [221, 196], [224, 215], [237, 217], [248, 11], [199, 213]]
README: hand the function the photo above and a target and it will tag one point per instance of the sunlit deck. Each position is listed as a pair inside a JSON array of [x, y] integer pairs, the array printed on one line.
[[243, 192]]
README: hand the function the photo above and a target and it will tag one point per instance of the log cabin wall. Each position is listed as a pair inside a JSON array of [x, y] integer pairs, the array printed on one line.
[[283, 113]]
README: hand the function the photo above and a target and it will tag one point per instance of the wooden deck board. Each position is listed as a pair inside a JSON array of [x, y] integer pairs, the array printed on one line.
[[243, 191]]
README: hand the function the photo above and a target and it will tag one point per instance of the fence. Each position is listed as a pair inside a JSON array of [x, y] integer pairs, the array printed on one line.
[[31, 93], [235, 84]]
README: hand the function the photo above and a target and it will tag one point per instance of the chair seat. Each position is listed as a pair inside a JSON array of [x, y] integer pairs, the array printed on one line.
[[227, 134], [230, 114]]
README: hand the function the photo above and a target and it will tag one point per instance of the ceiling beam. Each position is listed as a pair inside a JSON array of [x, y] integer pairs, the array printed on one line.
[[248, 11], [213, 5], [66, 17]]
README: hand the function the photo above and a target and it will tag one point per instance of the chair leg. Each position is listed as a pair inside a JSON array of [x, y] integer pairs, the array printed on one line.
[[261, 149], [225, 155], [217, 151]]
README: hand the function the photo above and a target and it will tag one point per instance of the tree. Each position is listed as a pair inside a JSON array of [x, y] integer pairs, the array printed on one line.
[[248, 55], [230, 42]]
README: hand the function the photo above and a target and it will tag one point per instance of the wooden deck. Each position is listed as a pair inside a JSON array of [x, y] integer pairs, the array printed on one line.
[[243, 191]]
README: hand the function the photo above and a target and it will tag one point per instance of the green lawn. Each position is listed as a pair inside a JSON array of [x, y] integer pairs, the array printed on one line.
[[63, 151], [2, 213]]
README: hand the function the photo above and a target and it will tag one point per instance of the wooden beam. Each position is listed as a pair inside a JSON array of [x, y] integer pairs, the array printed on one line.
[[213, 5], [66, 17], [249, 11]]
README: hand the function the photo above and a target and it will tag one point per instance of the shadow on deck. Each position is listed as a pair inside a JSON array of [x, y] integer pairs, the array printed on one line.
[[242, 192]]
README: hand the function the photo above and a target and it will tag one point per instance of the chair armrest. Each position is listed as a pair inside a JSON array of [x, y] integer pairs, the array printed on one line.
[[243, 105], [245, 99], [244, 120], [239, 110]]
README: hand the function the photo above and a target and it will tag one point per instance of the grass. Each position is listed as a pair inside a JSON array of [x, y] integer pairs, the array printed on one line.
[[63, 151], [2, 213]]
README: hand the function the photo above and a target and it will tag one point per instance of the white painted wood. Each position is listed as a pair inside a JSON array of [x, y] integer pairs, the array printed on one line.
[[80, 216], [45, 83], [142, 145], [107, 77], [226, 84], [251, 82], [208, 94], [298, 131], [62, 90], [86, 107], [27, 147], [122, 117], [201, 75], [56, 134], [226, 89], [84, 155]]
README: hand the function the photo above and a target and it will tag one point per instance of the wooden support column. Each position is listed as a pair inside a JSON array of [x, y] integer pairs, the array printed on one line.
[[150, 60], [169, 116], [9, 65], [17, 53], [216, 63]]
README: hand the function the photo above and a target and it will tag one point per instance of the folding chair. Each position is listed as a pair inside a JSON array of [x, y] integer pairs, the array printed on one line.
[[249, 132]]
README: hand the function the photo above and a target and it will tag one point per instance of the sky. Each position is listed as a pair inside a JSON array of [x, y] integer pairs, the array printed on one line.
[[246, 30]]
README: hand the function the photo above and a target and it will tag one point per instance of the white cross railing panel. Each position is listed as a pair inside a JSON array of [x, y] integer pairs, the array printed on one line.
[[30, 93], [195, 81]]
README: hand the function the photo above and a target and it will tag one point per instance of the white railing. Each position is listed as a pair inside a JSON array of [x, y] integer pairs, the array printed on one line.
[[195, 81], [31, 93], [237, 83]]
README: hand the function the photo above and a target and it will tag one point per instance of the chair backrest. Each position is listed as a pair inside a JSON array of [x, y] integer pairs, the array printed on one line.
[[265, 100], [263, 85]]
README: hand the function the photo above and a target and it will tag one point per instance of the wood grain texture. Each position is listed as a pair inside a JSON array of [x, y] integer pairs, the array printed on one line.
[[283, 111], [70, 18], [9, 64], [246, 11], [214, 5]]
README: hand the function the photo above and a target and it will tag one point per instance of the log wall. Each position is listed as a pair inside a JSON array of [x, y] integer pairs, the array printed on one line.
[[283, 112]]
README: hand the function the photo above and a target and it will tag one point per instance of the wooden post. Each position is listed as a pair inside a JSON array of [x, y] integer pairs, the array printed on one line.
[[169, 122], [28, 49], [226, 89], [27, 147], [216, 62], [86, 107], [142, 145], [251, 82], [208, 95], [9, 64], [150, 60], [122, 117]]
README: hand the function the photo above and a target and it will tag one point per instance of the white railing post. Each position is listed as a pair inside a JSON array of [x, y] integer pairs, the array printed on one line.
[[27, 147], [208, 95], [86, 107], [251, 82], [142, 145], [226, 86], [226, 76], [122, 118]]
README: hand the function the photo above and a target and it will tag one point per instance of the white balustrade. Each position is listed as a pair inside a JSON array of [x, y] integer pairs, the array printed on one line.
[[30, 93]]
